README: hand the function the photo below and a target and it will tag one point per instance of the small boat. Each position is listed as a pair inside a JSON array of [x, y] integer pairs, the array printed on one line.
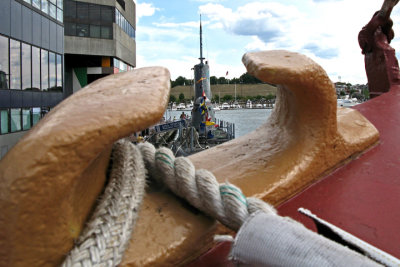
[[225, 106], [181, 106]]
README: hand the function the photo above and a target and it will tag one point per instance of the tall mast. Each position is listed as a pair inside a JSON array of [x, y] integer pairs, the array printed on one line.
[[201, 43]]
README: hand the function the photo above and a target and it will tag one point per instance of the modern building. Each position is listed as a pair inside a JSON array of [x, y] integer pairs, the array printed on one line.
[[31, 65], [99, 40], [50, 49]]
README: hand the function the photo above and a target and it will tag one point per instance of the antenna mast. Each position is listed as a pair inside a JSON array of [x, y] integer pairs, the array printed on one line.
[[201, 43]]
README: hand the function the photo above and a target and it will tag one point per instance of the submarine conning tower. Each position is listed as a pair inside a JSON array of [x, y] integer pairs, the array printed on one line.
[[201, 84]]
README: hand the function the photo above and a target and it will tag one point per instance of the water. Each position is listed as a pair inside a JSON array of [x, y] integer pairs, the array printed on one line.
[[245, 120]]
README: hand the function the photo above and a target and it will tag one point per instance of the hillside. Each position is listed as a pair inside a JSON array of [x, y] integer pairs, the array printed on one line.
[[228, 89]]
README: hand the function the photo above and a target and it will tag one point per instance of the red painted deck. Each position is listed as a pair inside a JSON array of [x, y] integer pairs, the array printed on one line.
[[363, 197]]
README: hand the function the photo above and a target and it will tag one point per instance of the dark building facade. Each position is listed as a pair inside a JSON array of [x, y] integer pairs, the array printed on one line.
[[31, 64], [99, 40]]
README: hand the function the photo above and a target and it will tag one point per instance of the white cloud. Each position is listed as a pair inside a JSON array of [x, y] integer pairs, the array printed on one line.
[[190, 24], [145, 10], [326, 31], [208, 1]]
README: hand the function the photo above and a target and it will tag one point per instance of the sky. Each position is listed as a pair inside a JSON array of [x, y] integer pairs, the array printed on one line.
[[167, 33]]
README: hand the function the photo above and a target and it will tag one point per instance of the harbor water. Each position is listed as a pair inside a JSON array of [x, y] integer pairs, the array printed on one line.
[[245, 120]]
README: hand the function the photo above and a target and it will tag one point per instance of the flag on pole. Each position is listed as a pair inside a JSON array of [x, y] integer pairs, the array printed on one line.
[[226, 73]]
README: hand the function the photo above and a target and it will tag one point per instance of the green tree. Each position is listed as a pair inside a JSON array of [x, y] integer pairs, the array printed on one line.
[[222, 80], [227, 98], [215, 98], [172, 98], [180, 81], [270, 97], [247, 78], [235, 80], [213, 80], [181, 98], [366, 93]]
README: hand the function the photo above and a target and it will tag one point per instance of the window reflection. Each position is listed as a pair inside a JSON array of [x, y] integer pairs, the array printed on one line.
[[124, 24], [36, 3], [45, 6], [82, 30], [26, 119], [94, 13], [60, 16], [95, 31], [59, 72], [35, 115], [70, 10], [15, 119], [53, 11], [82, 10], [26, 67], [4, 121], [3, 62], [35, 68], [15, 64], [106, 14], [45, 69], [52, 71], [106, 32], [88, 20]]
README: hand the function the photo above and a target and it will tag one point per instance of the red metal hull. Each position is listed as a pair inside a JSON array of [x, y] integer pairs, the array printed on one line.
[[361, 197]]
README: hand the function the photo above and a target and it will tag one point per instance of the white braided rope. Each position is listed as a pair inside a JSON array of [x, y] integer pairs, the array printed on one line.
[[105, 238], [224, 202], [107, 234]]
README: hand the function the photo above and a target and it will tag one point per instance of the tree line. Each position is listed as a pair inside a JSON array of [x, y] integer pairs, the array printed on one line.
[[226, 98], [245, 78]]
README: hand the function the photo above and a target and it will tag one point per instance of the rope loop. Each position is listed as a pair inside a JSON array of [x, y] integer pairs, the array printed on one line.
[[104, 240]]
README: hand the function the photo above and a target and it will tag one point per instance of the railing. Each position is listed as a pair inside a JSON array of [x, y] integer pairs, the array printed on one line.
[[228, 127]]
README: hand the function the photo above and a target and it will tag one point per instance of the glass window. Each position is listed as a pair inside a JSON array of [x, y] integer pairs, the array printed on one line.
[[70, 29], [94, 31], [60, 16], [106, 32], [116, 63], [15, 120], [26, 119], [52, 11], [35, 68], [82, 10], [36, 3], [15, 64], [35, 115], [59, 72], [28, 1], [52, 71], [60, 4], [82, 30], [70, 9], [106, 14], [53, 2], [44, 60], [119, 18], [94, 14], [3, 62], [45, 7], [4, 121], [26, 67]]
